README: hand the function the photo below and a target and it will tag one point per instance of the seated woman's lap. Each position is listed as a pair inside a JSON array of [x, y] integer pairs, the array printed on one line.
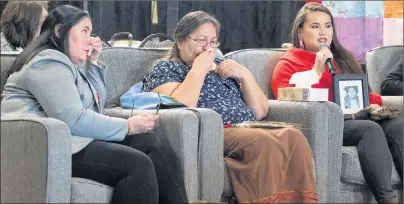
[[356, 131], [382, 131], [166, 165], [154, 146], [108, 163], [269, 159], [258, 138]]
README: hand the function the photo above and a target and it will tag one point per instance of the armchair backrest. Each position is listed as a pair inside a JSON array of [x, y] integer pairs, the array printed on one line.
[[261, 63], [126, 67], [7, 60], [379, 62]]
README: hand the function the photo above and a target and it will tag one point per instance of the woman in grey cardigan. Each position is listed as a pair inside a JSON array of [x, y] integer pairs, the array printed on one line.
[[45, 81]]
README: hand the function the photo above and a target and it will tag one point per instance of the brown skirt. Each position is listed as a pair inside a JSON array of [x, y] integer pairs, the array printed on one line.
[[270, 165]]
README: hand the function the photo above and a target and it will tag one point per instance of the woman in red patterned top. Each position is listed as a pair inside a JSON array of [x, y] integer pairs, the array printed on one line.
[[379, 143]]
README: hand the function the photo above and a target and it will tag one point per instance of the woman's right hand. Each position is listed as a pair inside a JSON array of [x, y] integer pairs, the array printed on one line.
[[321, 57], [204, 61], [363, 114], [141, 123]]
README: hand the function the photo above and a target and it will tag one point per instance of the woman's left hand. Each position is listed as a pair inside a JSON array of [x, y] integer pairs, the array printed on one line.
[[230, 68], [96, 45], [364, 114]]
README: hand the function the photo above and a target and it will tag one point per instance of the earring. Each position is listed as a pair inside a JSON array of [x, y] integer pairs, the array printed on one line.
[[301, 45]]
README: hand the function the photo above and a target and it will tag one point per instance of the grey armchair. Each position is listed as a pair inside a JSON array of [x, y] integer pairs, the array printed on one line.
[[379, 62], [339, 177], [36, 155], [322, 121], [204, 173]]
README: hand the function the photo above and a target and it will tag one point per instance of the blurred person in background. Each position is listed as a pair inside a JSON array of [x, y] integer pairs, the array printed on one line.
[[393, 84], [21, 23]]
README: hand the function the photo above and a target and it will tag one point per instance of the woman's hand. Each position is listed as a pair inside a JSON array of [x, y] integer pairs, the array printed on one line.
[[373, 107], [321, 57], [204, 61], [363, 114], [96, 48], [230, 68], [141, 123]]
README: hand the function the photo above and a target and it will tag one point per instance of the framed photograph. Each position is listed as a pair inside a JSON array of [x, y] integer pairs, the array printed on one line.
[[351, 92]]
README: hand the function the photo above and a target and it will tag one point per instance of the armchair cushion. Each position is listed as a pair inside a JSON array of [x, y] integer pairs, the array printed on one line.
[[88, 191], [126, 67]]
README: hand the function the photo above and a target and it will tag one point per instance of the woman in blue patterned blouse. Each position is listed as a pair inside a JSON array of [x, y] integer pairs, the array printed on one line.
[[262, 163]]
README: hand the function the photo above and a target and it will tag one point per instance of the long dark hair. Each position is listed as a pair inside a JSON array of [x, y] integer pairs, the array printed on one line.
[[186, 26], [62, 18], [344, 59], [20, 20]]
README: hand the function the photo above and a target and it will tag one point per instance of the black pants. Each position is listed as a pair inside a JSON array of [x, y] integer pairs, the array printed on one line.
[[379, 144], [142, 169]]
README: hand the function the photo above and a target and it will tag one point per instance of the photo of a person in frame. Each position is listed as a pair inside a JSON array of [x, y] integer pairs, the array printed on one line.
[[351, 99]]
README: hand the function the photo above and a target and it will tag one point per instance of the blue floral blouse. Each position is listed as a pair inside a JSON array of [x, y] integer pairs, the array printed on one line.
[[219, 94]]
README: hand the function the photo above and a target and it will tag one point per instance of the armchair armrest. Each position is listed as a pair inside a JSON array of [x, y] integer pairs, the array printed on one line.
[[210, 154], [335, 132], [35, 160], [395, 101], [180, 128], [318, 120]]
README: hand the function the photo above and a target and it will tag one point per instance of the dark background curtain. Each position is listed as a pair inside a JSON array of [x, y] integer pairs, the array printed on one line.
[[249, 24], [244, 24]]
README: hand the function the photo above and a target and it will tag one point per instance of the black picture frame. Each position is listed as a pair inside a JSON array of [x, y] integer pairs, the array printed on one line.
[[345, 86]]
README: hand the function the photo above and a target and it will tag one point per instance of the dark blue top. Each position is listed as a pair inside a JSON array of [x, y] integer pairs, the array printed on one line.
[[219, 94]]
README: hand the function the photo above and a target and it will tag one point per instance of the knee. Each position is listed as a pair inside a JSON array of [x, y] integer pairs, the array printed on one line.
[[289, 136], [298, 142], [137, 160], [286, 141], [296, 135], [397, 126], [162, 147], [370, 130], [262, 142], [394, 131]]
